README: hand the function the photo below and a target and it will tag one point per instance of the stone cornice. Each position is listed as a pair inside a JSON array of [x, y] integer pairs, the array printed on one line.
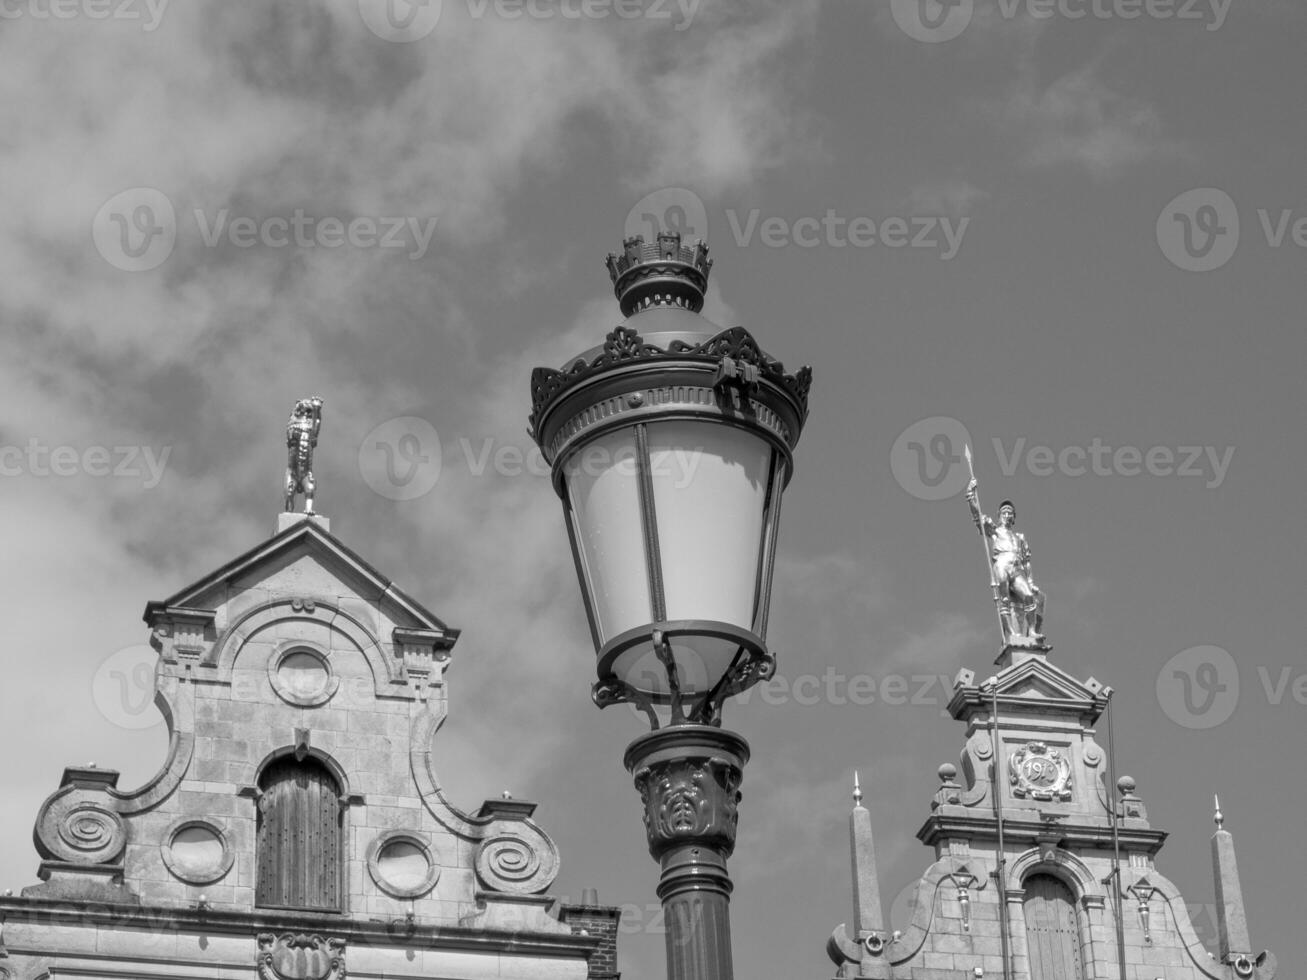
[[947, 822], [370, 932]]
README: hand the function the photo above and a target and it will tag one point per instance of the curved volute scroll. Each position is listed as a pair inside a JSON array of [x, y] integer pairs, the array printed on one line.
[[514, 856], [82, 839]]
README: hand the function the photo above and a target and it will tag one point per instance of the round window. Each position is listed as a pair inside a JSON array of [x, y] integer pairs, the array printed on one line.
[[196, 852], [197, 848], [402, 865], [303, 674]]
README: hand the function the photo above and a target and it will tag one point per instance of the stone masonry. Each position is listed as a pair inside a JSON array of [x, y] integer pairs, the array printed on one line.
[[1056, 896], [297, 649]]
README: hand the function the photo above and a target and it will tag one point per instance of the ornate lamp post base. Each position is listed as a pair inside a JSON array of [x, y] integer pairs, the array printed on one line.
[[689, 779]]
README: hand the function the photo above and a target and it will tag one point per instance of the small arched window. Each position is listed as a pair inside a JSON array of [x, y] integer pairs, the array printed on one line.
[[1052, 929], [299, 837]]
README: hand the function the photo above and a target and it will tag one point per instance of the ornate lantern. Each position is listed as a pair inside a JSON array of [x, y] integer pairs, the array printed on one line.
[[671, 446]]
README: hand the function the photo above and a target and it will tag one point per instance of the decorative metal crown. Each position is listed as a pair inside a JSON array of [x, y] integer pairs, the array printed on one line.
[[663, 272]]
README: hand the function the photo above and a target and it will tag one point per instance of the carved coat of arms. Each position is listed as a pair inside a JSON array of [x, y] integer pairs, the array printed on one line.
[[1040, 773]]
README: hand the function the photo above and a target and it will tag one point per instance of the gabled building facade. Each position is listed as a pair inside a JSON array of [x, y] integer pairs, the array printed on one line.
[[1041, 872], [297, 829]]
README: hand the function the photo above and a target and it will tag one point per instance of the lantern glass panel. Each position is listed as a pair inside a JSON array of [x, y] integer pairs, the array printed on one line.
[[604, 490], [709, 490]]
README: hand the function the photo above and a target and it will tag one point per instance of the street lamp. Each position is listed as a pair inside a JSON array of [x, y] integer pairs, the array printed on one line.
[[671, 447]]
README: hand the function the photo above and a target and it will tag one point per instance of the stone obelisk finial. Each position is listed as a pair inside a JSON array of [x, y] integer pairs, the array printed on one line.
[[866, 883], [1231, 922]]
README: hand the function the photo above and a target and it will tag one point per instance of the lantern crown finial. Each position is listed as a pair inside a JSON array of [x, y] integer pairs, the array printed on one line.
[[664, 272]]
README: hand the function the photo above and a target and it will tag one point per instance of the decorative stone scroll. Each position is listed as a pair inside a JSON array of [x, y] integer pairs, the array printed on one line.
[[78, 824]]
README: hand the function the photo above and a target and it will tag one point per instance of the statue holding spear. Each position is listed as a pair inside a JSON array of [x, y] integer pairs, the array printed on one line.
[[1019, 601]]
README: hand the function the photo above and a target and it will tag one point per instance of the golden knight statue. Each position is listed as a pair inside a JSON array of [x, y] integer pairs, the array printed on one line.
[[301, 439], [1020, 602]]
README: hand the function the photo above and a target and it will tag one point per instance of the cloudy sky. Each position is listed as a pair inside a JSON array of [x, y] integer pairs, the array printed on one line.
[[1067, 232]]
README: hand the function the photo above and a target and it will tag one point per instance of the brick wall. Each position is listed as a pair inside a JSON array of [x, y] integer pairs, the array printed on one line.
[[597, 920]]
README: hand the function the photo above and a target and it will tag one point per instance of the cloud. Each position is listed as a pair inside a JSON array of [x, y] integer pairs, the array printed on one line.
[[1079, 122]]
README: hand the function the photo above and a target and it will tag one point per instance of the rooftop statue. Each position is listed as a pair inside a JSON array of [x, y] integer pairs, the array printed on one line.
[[1020, 602], [301, 439]]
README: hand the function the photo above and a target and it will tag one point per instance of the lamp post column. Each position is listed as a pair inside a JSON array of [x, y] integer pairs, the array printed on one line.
[[689, 777]]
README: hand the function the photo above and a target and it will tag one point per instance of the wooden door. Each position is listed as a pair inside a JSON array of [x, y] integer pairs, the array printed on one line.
[[299, 837], [1052, 930]]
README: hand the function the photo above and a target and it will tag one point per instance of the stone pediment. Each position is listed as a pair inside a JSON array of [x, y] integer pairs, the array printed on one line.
[[1031, 683], [304, 560]]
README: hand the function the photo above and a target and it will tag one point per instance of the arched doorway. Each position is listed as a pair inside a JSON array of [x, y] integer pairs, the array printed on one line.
[[299, 836], [1052, 929]]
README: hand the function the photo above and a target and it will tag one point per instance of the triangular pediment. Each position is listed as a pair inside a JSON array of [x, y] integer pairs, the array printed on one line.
[[303, 558], [1038, 678], [1035, 683]]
